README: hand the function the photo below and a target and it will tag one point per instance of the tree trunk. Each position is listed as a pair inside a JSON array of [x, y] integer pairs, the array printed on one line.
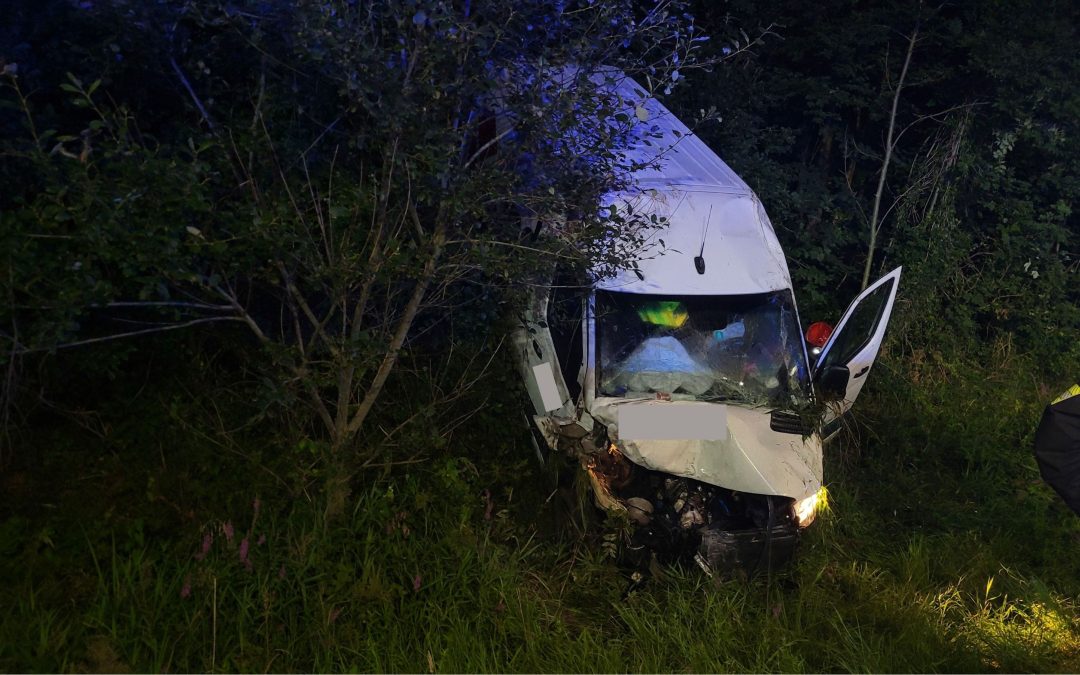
[[389, 360]]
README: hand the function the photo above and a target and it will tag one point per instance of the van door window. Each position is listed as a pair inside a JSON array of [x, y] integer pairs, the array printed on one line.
[[859, 328]]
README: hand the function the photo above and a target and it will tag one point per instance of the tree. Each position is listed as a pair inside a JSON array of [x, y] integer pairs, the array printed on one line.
[[976, 196], [340, 179]]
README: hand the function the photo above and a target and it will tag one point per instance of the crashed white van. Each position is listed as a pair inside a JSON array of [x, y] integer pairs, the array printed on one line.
[[685, 387]]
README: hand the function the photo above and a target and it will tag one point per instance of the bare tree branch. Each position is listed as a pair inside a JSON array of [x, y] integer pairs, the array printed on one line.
[[189, 305], [118, 336], [890, 144], [230, 296], [191, 92]]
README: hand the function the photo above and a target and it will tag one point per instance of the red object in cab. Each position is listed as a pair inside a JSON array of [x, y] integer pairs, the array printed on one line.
[[818, 333]]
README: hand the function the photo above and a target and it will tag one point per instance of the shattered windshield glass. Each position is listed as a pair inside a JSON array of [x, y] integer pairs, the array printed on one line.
[[744, 348]]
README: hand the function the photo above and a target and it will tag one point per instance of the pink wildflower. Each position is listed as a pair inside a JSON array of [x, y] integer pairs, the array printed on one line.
[[334, 614], [255, 505], [416, 580], [185, 590], [262, 540], [207, 542], [227, 528], [244, 546]]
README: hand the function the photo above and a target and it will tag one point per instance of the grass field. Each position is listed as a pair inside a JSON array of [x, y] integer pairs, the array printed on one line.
[[154, 546]]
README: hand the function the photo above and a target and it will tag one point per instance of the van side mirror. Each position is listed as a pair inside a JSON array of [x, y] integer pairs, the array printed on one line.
[[832, 383]]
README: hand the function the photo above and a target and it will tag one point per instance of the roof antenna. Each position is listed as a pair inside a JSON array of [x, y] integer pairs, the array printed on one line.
[[699, 259]]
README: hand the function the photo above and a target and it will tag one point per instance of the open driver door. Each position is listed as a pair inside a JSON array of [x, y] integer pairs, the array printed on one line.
[[846, 359]]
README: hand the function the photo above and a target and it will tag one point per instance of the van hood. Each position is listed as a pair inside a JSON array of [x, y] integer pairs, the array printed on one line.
[[721, 444]]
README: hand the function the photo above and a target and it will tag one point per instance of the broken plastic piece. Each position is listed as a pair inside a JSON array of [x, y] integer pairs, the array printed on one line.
[[703, 564]]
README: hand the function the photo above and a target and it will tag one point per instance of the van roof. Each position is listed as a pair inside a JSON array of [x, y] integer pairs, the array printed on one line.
[[672, 154], [710, 212]]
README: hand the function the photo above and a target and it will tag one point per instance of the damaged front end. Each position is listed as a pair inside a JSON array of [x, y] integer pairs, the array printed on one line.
[[674, 518]]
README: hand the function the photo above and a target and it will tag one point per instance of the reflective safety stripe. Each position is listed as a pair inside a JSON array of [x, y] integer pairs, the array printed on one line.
[[1069, 393]]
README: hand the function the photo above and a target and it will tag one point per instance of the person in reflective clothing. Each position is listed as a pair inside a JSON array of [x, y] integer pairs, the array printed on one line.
[[1057, 446]]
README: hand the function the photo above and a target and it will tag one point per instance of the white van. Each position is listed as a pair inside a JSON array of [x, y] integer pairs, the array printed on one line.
[[684, 387]]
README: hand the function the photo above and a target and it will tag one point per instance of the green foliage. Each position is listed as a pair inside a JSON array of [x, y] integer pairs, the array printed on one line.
[[941, 551], [981, 185], [79, 232], [339, 179]]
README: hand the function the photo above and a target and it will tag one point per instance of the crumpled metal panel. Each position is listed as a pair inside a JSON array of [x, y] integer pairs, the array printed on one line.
[[752, 458]]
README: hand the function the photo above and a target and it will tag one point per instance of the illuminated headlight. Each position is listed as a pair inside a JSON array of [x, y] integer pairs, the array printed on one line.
[[806, 509]]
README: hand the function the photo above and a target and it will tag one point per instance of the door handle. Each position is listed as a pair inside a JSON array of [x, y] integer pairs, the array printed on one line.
[[861, 372]]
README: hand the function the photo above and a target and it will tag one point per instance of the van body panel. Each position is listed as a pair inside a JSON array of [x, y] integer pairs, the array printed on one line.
[[752, 458]]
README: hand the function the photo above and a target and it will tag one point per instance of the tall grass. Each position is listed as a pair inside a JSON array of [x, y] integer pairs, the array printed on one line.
[[941, 552]]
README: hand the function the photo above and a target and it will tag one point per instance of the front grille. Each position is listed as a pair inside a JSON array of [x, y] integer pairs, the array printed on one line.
[[788, 422]]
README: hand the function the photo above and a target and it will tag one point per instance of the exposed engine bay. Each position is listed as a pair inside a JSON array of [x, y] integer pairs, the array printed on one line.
[[681, 519]]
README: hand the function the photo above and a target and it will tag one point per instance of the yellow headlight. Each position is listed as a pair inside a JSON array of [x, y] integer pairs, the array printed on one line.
[[806, 509]]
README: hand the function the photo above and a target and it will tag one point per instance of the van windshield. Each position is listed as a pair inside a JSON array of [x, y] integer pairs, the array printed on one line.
[[745, 348]]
